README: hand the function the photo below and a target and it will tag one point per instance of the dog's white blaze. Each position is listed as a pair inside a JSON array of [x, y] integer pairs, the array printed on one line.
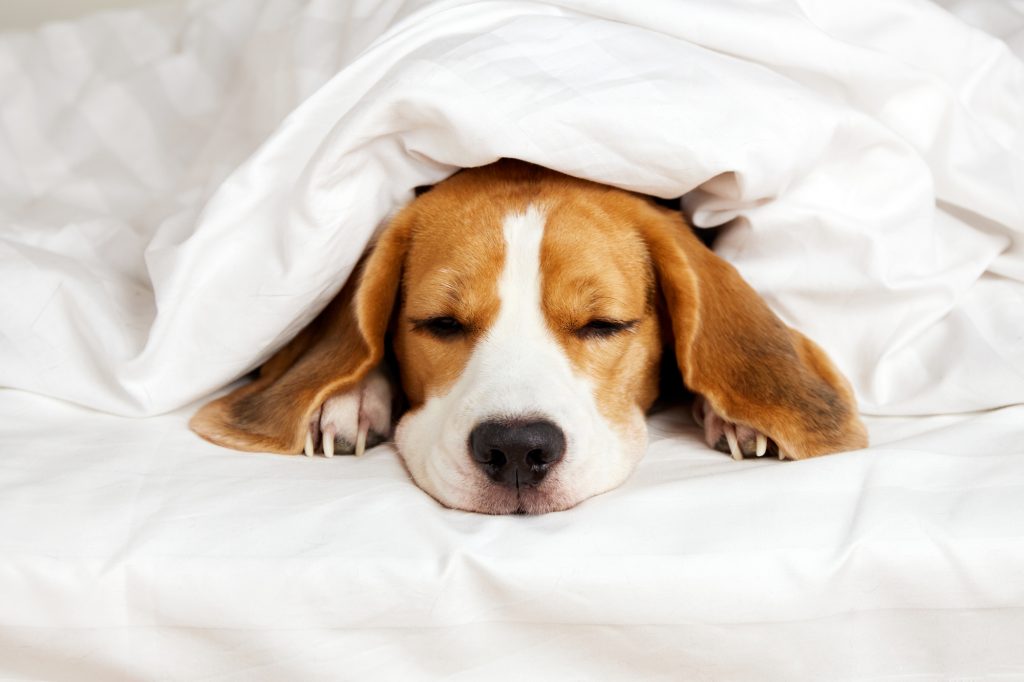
[[517, 370]]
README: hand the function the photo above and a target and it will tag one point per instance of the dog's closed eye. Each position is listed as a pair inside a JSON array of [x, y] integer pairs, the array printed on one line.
[[602, 328], [442, 327]]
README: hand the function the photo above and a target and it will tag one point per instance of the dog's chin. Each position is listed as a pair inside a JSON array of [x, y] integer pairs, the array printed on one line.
[[481, 496], [499, 500]]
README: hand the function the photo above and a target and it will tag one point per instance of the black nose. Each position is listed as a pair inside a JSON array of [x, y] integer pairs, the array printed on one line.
[[516, 453]]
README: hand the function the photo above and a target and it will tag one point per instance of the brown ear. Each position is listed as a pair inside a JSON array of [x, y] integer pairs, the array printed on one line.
[[332, 354], [735, 352]]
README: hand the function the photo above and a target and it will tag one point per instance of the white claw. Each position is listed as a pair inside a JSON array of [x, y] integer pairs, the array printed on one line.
[[309, 444], [364, 429], [734, 445], [782, 454], [762, 444], [328, 440]]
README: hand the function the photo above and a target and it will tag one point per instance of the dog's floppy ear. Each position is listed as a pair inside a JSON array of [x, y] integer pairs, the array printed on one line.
[[735, 352], [332, 354]]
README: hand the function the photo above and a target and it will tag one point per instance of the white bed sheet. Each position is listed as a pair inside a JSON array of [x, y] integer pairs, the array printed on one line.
[[131, 549]]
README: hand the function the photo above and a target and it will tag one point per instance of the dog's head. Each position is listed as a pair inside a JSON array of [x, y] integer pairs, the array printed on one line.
[[527, 311]]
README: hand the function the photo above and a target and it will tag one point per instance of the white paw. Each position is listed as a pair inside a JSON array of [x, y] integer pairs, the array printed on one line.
[[737, 440], [350, 422]]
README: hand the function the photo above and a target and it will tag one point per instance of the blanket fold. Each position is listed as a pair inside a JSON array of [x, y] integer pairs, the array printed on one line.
[[182, 189]]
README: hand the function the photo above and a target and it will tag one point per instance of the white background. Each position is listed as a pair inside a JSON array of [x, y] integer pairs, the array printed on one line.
[[21, 14]]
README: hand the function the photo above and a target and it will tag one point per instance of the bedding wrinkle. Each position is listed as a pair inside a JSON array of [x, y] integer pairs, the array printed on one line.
[[339, 130]]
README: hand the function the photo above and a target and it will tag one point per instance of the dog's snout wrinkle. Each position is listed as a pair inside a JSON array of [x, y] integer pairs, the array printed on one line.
[[516, 453]]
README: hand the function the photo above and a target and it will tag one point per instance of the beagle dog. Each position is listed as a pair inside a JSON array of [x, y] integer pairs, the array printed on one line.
[[527, 312]]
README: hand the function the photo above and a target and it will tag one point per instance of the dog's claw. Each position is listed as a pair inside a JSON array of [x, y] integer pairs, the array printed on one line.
[[364, 430], [328, 443], [762, 445], [735, 439], [309, 450], [734, 445], [356, 418]]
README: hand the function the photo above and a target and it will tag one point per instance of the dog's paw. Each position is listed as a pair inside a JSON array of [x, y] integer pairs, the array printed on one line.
[[738, 440], [352, 421]]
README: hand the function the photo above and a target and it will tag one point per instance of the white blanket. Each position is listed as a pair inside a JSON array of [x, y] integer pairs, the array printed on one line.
[[182, 189], [132, 550]]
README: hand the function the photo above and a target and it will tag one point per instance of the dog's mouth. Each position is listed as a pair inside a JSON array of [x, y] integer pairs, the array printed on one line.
[[519, 501]]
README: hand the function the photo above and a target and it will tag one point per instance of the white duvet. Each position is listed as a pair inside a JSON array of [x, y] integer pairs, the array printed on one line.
[[181, 190]]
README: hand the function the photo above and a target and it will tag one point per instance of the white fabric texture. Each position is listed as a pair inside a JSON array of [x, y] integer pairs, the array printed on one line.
[[130, 549], [181, 190]]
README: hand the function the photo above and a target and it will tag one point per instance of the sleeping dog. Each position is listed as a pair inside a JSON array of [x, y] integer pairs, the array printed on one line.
[[527, 312]]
